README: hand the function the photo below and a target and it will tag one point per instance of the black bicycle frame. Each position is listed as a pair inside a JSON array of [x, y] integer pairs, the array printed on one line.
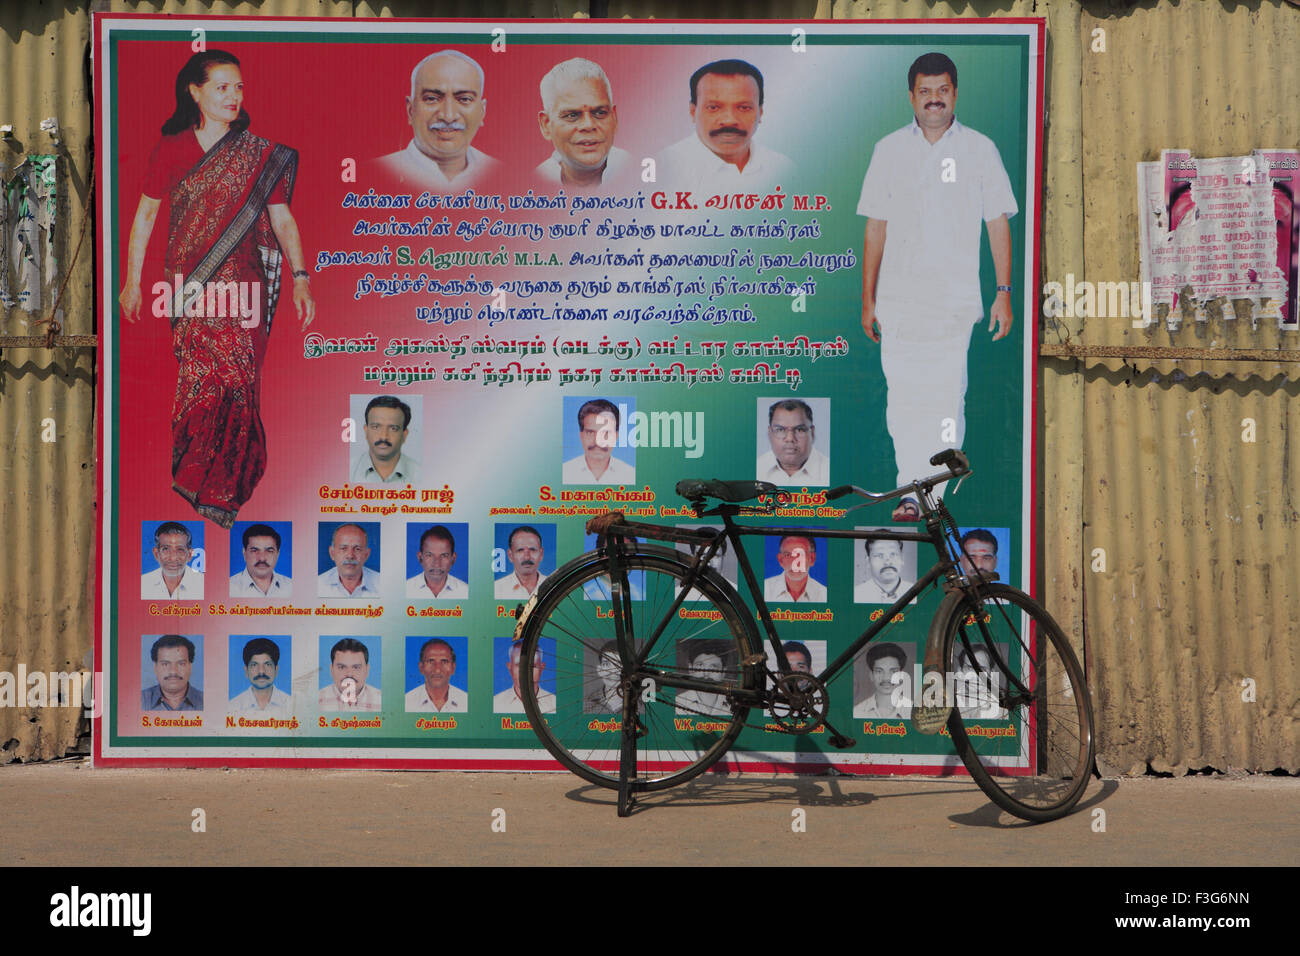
[[711, 540]]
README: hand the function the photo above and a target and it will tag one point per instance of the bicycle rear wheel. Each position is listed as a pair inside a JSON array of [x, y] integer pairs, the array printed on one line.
[[576, 623], [1022, 717]]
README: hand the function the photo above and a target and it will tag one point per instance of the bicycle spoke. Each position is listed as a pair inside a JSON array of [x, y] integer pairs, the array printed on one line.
[[1022, 721], [680, 732]]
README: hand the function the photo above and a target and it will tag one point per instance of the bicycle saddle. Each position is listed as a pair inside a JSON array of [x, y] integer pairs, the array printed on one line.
[[695, 489]]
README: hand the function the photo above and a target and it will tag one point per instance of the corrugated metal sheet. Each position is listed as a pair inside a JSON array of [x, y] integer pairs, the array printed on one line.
[[1192, 624], [249, 8], [460, 9], [1219, 80], [1199, 527], [47, 505]]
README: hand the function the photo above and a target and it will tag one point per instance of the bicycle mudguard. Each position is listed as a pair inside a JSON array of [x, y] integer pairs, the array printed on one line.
[[522, 612], [930, 713], [552, 580]]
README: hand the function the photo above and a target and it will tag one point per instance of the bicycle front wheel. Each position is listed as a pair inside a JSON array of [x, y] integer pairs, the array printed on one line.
[[1022, 717], [571, 638]]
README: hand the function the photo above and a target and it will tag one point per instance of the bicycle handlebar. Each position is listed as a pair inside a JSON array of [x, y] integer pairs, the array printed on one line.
[[735, 492], [958, 467]]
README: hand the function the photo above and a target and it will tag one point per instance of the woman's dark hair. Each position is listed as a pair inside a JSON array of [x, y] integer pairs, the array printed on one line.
[[195, 72]]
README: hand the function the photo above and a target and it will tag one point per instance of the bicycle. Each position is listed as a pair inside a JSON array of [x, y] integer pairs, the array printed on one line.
[[682, 678]]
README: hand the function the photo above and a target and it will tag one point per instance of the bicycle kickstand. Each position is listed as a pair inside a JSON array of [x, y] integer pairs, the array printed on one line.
[[627, 762]]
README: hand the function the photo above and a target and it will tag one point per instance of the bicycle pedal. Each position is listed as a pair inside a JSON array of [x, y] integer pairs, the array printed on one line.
[[840, 742]]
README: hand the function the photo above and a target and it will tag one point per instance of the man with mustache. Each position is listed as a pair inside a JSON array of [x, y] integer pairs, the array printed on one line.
[[579, 118], [349, 672], [258, 579], [437, 695], [349, 550], [707, 662], [173, 579], [884, 583], [445, 109], [598, 432], [721, 155], [982, 547], [437, 554], [793, 458], [173, 663], [927, 189], [261, 664], [511, 700], [387, 423], [796, 555], [886, 687], [524, 548]]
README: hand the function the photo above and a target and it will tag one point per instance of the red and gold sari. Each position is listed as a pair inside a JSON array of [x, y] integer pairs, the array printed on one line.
[[220, 232]]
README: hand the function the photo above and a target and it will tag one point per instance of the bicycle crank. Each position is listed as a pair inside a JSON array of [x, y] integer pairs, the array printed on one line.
[[799, 703]]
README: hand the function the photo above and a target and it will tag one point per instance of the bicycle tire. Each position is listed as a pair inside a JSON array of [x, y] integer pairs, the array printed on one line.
[[1024, 729], [675, 746]]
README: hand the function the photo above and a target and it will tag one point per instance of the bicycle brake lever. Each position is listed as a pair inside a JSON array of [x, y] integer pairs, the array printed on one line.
[[957, 487]]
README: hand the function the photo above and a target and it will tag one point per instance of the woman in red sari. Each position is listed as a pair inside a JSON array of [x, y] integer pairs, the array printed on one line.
[[229, 230]]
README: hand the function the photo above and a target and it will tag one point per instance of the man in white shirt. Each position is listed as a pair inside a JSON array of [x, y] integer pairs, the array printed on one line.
[[982, 546], [796, 554], [605, 694], [525, 551], [927, 189], [721, 155], [437, 554], [793, 458], [387, 424], [510, 701], [598, 422], [261, 664], [579, 118], [445, 109], [258, 579], [889, 684], [798, 656], [349, 671], [437, 695], [705, 665], [884, 583], [349, 550], [173, 578], [978, 684]]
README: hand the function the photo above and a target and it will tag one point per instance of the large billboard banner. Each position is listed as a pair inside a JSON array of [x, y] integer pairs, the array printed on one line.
[[389, 308]]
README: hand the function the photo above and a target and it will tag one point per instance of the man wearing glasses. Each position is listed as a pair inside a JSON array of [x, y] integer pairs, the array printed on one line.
[[793, 458]]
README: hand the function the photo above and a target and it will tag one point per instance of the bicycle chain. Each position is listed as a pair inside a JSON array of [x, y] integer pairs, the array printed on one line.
[[773, 727]]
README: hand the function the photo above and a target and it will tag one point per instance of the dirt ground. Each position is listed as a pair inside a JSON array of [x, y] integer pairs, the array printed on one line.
[[68, 814]]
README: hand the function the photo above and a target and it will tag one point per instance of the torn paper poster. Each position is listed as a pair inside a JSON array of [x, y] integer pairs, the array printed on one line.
[[1212, 233]]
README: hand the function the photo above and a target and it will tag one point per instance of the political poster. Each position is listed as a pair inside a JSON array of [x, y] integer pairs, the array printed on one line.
[[390, 308]]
